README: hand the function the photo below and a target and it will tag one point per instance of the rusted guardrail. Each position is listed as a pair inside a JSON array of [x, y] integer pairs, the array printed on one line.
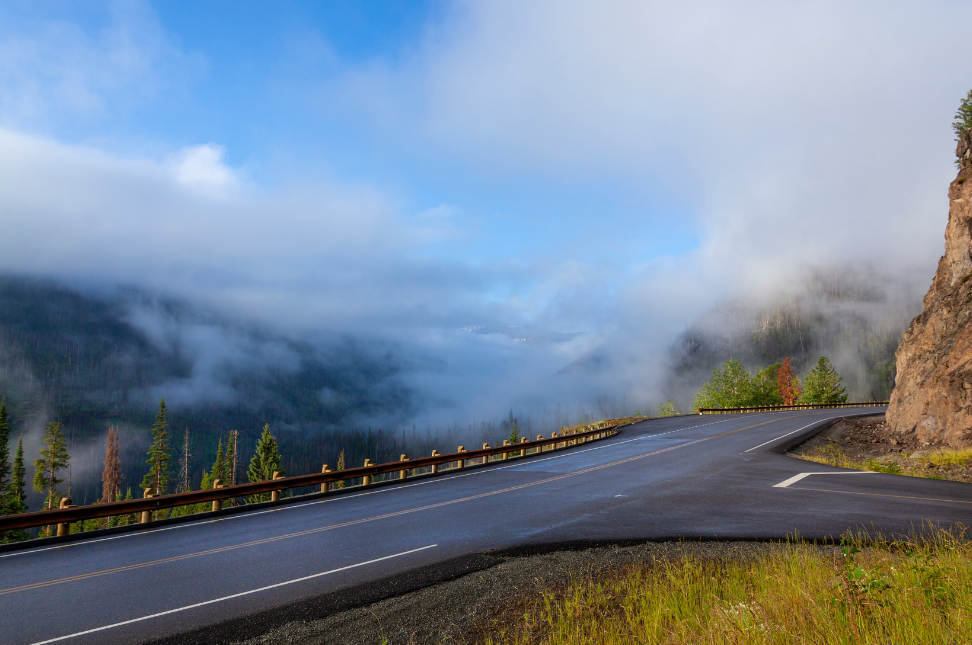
[[150, 502], [799, 406]]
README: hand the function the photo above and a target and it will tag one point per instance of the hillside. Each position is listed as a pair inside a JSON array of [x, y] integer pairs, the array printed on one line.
[[855, 317], [89, 361]]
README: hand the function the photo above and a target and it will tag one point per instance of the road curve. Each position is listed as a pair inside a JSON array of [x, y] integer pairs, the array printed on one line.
[[712, 477]]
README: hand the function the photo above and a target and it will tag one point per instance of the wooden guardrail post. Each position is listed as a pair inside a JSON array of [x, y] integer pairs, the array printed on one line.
[[275, 495], [435, 467], [63, 528], [366, 480], [506, 442], [485, 458], [326, 486], [462, 462], [147, 515], [403, 473], [217, 503], [523, 450]]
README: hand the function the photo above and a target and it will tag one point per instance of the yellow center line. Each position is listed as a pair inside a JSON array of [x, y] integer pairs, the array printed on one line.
[[417, 509], [850, 492]]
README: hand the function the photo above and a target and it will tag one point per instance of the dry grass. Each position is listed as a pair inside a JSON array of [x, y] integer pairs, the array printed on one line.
[[949, 463], [915, 592]]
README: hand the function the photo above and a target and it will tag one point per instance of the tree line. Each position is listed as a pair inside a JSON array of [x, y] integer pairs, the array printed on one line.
[[54, 459], [733, 385]]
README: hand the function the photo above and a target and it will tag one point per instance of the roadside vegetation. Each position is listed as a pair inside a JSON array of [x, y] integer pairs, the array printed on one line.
[[917, 591], [943, 463], [734, 385], [52, 470]]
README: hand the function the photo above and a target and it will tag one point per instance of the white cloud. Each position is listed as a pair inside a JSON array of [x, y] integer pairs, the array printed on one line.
[[202, 168], [54, 72], [790, 135]]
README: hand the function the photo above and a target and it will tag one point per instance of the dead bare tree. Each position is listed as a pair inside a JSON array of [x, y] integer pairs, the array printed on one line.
[[234, 435], [111, 476], [184, 484]]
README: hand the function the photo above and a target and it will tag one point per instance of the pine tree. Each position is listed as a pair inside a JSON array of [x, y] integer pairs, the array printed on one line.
[[963, 117], [265, 462], [219, 466], [111, 475], [4, 456], [54, 458], [16, 499], [822, 384], [158, 454]]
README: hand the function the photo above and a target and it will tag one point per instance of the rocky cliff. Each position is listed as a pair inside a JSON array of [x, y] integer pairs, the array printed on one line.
[[932, 395]]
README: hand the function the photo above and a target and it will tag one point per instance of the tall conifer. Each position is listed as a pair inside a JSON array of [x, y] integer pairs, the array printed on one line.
[[158, 454], [822, 384], [4, 455], [53, 459], [16, 499], [219, 466], [265, 462]]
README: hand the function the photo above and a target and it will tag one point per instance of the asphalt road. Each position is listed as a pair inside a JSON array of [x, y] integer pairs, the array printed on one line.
[[714, 477]]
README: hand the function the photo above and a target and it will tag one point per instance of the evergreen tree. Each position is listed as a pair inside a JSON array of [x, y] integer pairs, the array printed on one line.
[[16, 499], [54, 458], [766, 389], [514, 433], [822, 384], [219, 466], [4, 455], [158, 454], [963, 117], [265, 462]]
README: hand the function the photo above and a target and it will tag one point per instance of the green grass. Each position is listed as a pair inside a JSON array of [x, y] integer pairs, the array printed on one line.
[[914, 592]]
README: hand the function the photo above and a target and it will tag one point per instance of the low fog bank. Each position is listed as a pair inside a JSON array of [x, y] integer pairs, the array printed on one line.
[[854, 315], [91, 359], [94, 359]]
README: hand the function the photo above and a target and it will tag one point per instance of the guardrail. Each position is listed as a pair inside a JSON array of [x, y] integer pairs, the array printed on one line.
[[150, 502], [801, 406]]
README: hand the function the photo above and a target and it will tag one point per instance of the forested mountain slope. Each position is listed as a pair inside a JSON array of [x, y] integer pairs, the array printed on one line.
[[90, 361], [855, 317]]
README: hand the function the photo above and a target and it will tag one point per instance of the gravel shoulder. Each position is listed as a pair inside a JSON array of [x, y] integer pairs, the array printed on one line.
[[867, 443], [463, 609]]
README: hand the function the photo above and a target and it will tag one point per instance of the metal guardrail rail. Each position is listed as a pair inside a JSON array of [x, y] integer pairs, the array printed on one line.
[[68, 514], [801, 406]]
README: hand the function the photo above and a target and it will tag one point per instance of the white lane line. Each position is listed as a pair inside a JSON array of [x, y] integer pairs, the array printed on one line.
[[796, 478], [230, 597], [493, 468], [789, 433]]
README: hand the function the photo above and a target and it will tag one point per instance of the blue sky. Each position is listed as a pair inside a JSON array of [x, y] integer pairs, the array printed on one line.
[[405, 169]]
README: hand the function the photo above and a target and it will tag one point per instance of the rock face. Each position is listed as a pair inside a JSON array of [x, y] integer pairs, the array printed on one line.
[[932, 395]]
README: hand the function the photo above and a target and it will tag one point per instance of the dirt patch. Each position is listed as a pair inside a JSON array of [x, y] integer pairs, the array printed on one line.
[[464, 610], [866, 443]]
